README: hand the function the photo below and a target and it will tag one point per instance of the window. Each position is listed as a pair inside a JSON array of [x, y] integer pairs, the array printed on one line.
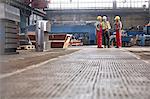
[[96, 4]]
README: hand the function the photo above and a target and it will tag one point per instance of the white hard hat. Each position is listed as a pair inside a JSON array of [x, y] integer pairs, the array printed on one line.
[[104, 18]]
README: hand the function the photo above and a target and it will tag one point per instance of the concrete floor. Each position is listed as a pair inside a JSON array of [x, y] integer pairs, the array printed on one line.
[[90, 73], [27, 58], [142, 52]]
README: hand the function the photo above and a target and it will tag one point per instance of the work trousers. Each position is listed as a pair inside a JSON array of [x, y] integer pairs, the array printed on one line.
[[106, 38], [99, 38], [118, 38]]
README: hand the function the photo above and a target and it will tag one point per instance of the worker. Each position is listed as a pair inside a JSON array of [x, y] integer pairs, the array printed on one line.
[[99, 31], [106, 35], [118, 29]]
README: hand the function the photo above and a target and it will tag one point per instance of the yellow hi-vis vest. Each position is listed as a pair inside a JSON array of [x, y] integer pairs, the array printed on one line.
[[106, 25]]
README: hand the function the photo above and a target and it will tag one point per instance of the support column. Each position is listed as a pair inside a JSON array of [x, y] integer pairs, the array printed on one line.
[[39, 37], [149, 11]]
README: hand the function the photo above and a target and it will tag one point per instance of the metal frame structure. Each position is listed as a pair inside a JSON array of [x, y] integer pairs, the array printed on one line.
[[20, 5], [97, 4]]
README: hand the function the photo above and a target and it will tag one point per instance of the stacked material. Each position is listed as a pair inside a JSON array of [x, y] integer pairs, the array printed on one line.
[[9, 28], [59, 40]]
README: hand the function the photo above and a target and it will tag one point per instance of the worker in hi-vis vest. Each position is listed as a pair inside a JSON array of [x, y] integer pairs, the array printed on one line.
[[106, 34], [99, 32], [118, 29]]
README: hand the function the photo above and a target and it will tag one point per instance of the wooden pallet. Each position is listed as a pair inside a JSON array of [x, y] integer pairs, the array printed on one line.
[[26, 47]]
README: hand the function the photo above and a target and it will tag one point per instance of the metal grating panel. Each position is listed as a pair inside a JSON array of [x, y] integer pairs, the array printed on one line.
[[88, 74]]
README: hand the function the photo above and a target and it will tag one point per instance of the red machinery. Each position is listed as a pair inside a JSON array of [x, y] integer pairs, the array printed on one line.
[[41, 4]]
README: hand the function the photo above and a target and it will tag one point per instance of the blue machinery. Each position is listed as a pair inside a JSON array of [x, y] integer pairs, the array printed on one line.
[[143, 36], [89, 29], [146, 37]]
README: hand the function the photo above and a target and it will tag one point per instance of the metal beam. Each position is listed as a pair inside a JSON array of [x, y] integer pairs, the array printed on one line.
[[94, 11]]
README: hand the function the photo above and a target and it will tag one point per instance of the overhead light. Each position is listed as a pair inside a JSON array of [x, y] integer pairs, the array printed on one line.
[[124, 1], [70, 1]]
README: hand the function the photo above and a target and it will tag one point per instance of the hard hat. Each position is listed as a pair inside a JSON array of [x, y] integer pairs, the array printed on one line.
[[99, 17], [104, 18], [117, 18]]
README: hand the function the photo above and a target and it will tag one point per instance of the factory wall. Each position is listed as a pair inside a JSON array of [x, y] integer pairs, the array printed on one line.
[[134, 20], [128, 20]]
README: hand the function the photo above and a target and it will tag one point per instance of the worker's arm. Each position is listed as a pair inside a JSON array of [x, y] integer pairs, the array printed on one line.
[[97, 26], [108, 25], [120, 24]]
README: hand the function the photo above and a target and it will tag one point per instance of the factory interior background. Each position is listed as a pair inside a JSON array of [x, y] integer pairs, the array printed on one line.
[[75, 49]]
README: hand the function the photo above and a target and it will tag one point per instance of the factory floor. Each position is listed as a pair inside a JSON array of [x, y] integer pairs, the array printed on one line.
[[141, 52], [27, 58], [89, 73]]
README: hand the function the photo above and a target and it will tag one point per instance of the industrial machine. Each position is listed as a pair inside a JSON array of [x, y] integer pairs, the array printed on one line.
[[134, 37], [144, 40], [130, 37], [9, 28], [43, 27], [137, 37], [39, 34], [147, 30]]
